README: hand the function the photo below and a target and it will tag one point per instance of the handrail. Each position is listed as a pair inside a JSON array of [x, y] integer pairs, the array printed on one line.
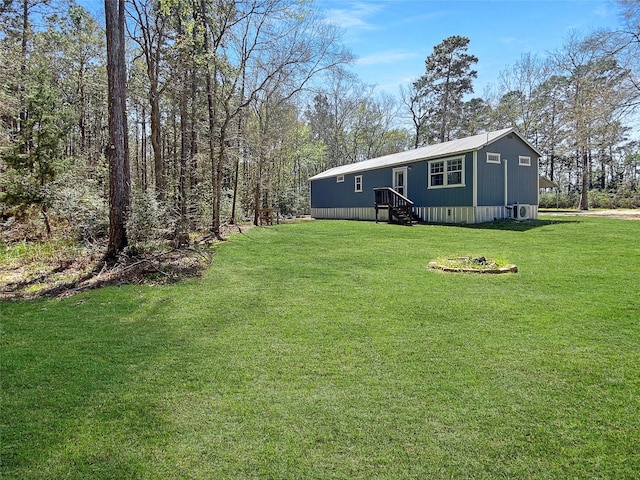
[[387, 197]]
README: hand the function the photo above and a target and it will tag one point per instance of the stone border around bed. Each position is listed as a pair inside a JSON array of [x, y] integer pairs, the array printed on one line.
[[509, 269]]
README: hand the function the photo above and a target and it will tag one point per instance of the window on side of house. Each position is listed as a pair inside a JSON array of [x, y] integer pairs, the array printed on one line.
[[454, 172], [340, 179], [493, 157], [358, 183], [524, 161], [436, 174], [446, 173]]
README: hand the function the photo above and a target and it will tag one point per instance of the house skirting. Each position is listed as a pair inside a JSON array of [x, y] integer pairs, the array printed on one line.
[[427, 214], [349, 213], [480, 214], [446, 214]]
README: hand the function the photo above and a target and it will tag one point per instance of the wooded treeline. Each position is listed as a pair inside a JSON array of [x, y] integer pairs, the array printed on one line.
[[233, 104], [578, 107]]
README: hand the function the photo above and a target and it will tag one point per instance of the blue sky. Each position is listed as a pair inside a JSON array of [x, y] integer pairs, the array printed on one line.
[[392, 38]]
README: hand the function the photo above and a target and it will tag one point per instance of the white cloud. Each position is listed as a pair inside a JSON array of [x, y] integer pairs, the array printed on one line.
[[385, 58], [353, 15], [603, 11]]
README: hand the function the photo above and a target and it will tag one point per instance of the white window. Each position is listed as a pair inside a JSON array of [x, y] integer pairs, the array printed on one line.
[[524, 161], [436, 174], [454, 172], [340, 179], [493, 157], [446, 173], [358, 183]]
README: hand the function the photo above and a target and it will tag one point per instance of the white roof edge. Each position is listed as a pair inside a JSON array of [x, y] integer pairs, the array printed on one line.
[[358, 167], [513, 130], [453, 147]]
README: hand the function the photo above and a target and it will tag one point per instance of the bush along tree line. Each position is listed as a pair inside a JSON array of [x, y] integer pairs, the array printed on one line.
[[187, 116]]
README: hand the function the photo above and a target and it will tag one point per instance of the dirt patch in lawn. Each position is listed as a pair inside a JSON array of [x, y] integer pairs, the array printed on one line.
[[625, 214]]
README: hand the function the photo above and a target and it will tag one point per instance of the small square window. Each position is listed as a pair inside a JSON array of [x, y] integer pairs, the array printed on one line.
[[524, 161], [493, 157], [340, 179], [358, 183]]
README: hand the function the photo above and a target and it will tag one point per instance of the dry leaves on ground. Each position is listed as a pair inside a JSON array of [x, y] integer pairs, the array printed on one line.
[[65, 275]]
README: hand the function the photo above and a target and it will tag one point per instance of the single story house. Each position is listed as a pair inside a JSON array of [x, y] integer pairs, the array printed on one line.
[[472, 180]]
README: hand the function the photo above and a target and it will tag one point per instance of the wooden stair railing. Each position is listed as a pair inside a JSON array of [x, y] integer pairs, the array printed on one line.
[[399, 206]]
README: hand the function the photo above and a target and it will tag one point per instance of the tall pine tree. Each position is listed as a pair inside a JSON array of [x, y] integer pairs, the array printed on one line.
[[448, 77], [118, 148]]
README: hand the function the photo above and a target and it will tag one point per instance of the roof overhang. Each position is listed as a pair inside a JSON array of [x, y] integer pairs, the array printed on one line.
[[544, 182], [439, 150]]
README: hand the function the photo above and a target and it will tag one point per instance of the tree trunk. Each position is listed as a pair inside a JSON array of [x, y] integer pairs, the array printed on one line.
[[445, 111], [236, 170], [81, 115], [584, 194], [23, 70], [144, 148], [211, 113], [216, 161], [193, 142], [257, 193], [183, 235], [118, 148], [240, 151], [45, 217], [217, 200], [156, 144]]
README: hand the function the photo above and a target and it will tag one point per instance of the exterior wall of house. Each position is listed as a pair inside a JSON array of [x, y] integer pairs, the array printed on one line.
[[329, 193], [423, 196], [457, 204], [522, 181]]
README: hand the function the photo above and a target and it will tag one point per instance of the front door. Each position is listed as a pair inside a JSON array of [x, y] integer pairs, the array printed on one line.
[[400, 180]]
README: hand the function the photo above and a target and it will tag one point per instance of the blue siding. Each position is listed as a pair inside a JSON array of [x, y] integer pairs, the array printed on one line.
[[423, 196], [490, 180], [522, 181], [328, 193]]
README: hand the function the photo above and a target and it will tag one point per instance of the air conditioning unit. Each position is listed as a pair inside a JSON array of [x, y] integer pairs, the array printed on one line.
[[521, 212]]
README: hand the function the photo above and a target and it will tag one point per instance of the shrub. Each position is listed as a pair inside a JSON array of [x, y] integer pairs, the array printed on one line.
[[560, 200], [628, 201], [84, 208], [149, 221], [600, 199]]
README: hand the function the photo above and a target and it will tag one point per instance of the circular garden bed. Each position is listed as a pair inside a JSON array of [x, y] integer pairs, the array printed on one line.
[[472, 265]]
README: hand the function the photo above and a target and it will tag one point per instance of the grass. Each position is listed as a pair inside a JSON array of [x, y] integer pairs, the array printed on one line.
[[326, 350], [19, 253], [32, 261]]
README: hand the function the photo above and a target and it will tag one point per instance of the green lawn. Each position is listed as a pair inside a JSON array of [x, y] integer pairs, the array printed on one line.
[[327, 350]]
